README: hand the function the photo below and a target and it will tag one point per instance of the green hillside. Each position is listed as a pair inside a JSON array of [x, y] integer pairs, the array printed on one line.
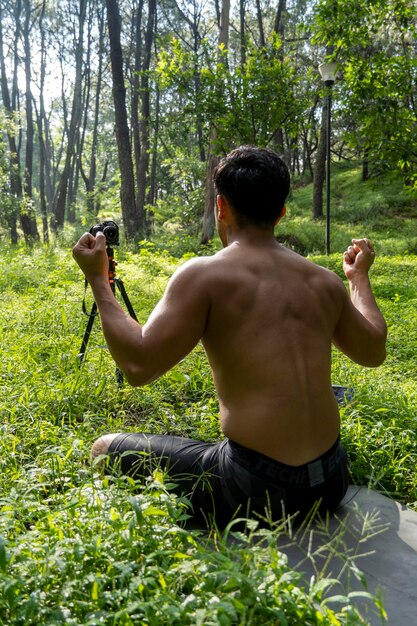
[[380, 208]]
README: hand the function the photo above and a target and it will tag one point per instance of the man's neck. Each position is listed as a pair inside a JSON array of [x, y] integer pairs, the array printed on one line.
[[251, 236]]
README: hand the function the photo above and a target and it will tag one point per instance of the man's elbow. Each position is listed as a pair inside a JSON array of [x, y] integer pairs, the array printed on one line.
[[377, 352], [378, 358], [139, 376], [374, 358]]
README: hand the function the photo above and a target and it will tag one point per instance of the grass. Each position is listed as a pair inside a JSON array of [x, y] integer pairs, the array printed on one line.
[[77, 548], [382, 206]]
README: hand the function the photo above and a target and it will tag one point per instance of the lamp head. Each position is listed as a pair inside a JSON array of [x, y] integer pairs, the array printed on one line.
[[328, 72]]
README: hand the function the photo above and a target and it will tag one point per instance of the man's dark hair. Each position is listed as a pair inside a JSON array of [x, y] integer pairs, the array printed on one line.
[[256, 182]]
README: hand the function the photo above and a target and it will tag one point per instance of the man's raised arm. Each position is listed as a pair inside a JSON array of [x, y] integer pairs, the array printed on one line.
[[361, 332], [177, 323]]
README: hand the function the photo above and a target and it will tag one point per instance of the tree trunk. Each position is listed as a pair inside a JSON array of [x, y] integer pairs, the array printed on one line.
[[208, 217], [306, 160], [279, 24], [193, 24], [260, 25], [61, 200], [44, 133], [152, 185], [39, 118], [135, 89], [197, 86], [242, 33], [143, 164], [90, 178], [16, 187], [27, 215], [92, 195], [308, 139], [127, 181], [280, 31]]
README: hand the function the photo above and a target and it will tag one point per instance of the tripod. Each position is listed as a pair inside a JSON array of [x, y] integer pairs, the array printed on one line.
[[113, 280]]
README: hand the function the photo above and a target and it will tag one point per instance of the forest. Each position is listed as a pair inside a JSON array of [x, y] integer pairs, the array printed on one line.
[[123, 108]]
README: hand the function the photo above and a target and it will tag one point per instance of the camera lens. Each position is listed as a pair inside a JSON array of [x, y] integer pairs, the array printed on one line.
[[109, 229], [110, 233]]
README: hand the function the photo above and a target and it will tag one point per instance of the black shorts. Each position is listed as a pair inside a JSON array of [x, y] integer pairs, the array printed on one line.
[[226, 480]]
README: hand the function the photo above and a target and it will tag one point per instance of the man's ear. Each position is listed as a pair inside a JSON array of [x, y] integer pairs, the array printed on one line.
[[281, 215], [221, 207]]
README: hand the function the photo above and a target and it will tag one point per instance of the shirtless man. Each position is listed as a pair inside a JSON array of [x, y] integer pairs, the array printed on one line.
[[267, 318]]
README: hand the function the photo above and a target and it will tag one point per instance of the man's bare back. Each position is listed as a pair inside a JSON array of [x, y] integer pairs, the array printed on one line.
[[268, 338]]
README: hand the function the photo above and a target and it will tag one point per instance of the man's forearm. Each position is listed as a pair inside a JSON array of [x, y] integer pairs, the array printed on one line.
[[364, 301]]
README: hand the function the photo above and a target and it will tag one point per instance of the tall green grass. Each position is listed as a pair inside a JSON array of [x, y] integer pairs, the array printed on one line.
[[77, 548]]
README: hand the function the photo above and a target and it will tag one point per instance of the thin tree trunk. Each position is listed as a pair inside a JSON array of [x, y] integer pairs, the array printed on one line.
[[137, 30], [27, 217], [40, 119], [143, 164], [280, 31], [279, 25], [127, 181], [260, 25], [16, 188], [208, 218], [90, 179], [152, 186], [92, 199], [193, 24], [308, 147], [77, 166], [76, 112], [242, 33], [306, 160]]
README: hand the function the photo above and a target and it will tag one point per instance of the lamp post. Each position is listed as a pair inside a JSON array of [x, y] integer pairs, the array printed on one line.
[[328, 73]]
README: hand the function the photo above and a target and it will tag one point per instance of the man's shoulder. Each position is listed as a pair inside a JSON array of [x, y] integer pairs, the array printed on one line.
[[310, 268], [193, 271], [201, 263], [195, 264], [328, 278]]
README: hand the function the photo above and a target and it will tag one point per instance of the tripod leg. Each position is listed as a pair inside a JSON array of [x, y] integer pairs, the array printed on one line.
[[121, 288], [87, 332], [92, 315], [125, 297]]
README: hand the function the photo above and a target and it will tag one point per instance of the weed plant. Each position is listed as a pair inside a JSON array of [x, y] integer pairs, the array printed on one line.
[[77, 547]]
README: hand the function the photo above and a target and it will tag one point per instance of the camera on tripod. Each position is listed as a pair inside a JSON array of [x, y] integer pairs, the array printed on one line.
[[111, 232], [109, 229]]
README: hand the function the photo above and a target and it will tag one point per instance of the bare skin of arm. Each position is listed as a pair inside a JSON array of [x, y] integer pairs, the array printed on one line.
[[267, 318], [361, 332], [145, 352]]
